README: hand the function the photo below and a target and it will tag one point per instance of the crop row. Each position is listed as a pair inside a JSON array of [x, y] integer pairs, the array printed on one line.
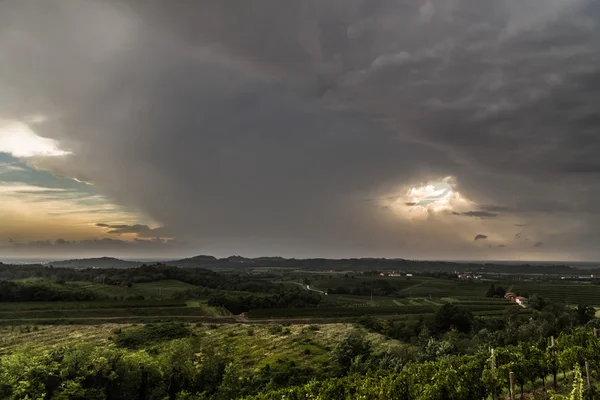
[[352, 311], [77, 305], [105, 313]]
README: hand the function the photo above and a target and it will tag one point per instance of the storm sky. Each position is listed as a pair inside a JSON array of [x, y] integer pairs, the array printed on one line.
[[430, 129]]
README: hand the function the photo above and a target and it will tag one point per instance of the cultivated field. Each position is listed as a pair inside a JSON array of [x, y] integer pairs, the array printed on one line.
[[572, 294]]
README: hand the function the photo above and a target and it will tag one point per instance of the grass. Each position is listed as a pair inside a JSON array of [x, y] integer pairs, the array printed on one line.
[[124, 309], [159, 289], [39, 337], [568, 293], [340, 312], [77, 305], [263, 347], [334, 282], [308, 346]]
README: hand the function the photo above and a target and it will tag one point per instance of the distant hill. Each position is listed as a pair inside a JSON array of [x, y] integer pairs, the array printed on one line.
[[102, 262], [373, 264]]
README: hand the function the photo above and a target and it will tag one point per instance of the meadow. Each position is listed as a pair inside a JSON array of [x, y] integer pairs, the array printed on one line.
[[571, 294], [415, 297], [176, 333]]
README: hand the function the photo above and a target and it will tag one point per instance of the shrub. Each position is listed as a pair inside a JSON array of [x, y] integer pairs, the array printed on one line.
[[150, 334], [275, 329]]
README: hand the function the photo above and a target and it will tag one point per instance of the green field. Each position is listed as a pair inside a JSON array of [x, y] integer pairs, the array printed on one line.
[[405, 286], [253, 346], [418, 296], [106, 311], [569, 293], [76, 305], [324, 283], [388, 310], [159, 289]]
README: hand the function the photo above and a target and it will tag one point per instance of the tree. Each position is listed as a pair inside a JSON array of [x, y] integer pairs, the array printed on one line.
[[585, 313], [351, 346], [500, 291], [537, 303], [450, 316], [491, 291]]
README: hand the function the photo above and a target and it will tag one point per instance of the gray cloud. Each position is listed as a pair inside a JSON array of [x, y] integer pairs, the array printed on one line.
[[142, 231], [96, 247], [268, 139], [478, 214], [480, 237]]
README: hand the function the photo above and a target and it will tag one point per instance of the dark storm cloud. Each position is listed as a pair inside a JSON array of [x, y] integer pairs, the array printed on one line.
[[494, 208], [143, 231], [478, 214], [273, 129], [480, 237]]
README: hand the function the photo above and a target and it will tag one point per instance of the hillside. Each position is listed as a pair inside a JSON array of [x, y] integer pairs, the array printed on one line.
[[101, 262], [351, 264]]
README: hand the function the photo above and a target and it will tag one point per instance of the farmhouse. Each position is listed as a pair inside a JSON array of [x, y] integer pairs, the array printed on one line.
[[510, 296], [522, 301]]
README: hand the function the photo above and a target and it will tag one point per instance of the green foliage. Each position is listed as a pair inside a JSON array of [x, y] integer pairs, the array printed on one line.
[[193, 368], [494, 291], [451, 316], [353, 348], [151, 334], [585, 313], [242, 302], [39, 291]]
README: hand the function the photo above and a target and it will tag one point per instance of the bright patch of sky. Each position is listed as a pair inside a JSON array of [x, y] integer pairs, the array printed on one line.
[[19, 140], [35, 204]]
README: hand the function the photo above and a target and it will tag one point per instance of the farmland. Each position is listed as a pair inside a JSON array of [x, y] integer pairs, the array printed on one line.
[[161, 300], [159, 289], [256, 331], [161, 303], [566, 294]]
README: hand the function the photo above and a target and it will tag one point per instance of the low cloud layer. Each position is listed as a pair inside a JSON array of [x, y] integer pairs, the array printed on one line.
[[142, 231], [58, 248], [296, 136]]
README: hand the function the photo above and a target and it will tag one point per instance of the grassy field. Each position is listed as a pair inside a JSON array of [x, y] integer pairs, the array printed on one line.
[[102, 311], [256, 346], [569, 293], [419, 297], [159, 289], [425, 308], [324, 282], [77, 305], [406, 286]]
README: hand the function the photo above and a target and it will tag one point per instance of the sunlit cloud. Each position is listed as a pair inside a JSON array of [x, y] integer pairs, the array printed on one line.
[[421, 200], [19, 140], [30, 211]]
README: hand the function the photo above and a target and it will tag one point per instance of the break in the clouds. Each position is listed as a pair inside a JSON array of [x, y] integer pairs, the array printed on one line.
[[142, 231], [320, 127]]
